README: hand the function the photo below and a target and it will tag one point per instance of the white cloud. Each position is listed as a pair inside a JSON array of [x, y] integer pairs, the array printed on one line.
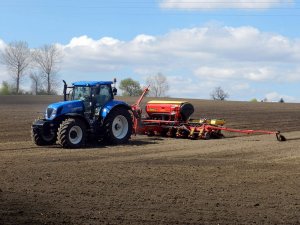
[[241, 72], [215, 73], [84, 40], [259, 74], [216, 4], [144, 39], [181, 86], [2, 45], [241, 86], [290, 75], [275, 97]]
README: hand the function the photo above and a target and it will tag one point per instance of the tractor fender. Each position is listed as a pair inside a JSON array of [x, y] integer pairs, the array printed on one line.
[[72, 115], [110, 106]]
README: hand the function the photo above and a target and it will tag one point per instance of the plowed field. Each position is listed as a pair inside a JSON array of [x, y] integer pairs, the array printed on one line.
[[237, 180]]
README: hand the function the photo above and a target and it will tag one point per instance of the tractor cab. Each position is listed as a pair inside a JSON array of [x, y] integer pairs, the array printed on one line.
[[93, 94]]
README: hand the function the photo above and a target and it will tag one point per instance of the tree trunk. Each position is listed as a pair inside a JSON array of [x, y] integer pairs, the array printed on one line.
[[36, 88], [49, 84], [18, 82]]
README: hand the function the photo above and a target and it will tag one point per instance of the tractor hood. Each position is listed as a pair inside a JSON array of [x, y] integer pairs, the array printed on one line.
[[61, 108]]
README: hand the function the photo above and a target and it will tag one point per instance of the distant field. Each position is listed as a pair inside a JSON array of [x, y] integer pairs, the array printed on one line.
[[240, 180]]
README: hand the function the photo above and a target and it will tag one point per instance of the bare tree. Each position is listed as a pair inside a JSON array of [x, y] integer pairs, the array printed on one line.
[[17, 58], [36, 81], [158, 85], [48, 58], [219, 94]]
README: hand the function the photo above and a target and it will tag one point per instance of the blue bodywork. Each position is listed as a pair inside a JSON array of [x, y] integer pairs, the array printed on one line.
[[110, 105], [61, 108], [78, 107]]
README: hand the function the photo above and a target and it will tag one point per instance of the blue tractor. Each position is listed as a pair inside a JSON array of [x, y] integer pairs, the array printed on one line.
[[88, 111]]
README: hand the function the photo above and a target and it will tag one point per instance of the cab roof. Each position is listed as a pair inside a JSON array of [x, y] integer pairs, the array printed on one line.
[[91, 83]]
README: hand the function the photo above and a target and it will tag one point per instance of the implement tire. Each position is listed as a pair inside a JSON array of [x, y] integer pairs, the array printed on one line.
[[71, 133], [41, 139], [118, 126]]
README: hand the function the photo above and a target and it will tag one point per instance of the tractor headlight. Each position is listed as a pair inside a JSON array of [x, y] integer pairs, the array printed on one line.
[[50, 113], [53, 114]]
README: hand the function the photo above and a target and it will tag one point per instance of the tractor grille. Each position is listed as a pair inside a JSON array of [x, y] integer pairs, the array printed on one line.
[[49, 112]]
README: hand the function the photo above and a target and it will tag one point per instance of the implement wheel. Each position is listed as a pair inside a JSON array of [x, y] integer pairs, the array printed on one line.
[[71, 133], [280, 137], [118, 125], [207, 135]]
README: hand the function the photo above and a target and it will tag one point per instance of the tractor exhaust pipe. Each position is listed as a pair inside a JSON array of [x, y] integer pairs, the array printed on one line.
[[65, 90], [114, 89]]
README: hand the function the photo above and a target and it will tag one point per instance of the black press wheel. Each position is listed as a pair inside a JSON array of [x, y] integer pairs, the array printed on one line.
[[41, 138], [71, 133], [118, 125], [207, 135]]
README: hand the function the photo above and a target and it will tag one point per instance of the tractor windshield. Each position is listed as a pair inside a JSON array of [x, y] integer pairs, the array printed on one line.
[[81, 93]]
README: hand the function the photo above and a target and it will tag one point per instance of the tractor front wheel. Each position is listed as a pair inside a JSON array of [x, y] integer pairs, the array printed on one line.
[[71, 133], [41, 138], [118, 126]]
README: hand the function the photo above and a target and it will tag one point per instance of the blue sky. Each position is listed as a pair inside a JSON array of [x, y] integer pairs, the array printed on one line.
[[250, 48]]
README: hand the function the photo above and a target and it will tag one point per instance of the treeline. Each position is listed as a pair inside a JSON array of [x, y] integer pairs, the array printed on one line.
[[40, 65]]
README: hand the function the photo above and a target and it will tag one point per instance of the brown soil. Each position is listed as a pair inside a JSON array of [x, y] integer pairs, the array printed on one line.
[[240, 180]]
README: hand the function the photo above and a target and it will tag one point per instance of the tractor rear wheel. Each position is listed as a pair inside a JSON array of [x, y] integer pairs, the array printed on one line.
[[71, 133], [42, 138], [118, 126]]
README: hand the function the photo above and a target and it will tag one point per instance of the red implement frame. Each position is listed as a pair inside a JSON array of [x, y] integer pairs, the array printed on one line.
[[137, 111], [184, 129]]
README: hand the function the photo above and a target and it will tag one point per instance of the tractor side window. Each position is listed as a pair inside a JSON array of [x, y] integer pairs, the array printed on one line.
[[103, 95]]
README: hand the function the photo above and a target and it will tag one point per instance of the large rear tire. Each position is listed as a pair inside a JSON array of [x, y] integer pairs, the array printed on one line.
[[71, 133], [42, 138], [118, 126]]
